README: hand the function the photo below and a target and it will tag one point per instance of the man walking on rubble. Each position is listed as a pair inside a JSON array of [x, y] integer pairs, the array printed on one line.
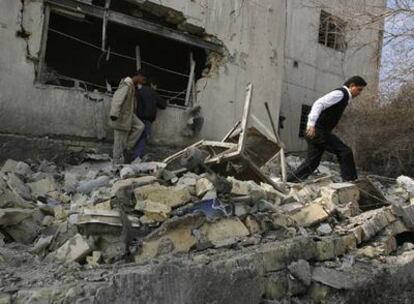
[[127, 127], [323, 118], [148, 102]]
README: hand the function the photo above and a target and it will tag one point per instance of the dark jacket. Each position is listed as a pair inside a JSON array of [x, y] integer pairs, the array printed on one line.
[[148, 101], [330, 117]]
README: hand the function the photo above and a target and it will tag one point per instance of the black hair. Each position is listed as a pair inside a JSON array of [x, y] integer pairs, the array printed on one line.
[[356, 80], [140, 72]]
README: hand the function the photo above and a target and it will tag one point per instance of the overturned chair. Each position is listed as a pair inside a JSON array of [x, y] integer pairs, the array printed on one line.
[[241, 153]]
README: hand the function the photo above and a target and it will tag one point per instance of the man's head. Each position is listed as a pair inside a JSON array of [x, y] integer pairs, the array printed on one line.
[[355, 85], [139, 77]]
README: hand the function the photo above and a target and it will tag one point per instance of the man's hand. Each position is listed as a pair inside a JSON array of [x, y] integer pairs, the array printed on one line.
[[311, 132], [113, 118]]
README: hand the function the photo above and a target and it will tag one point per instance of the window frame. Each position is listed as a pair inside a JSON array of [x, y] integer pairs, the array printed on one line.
[[330, 27]]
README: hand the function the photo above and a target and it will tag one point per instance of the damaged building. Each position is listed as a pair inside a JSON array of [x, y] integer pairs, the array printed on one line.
[[63, 59]]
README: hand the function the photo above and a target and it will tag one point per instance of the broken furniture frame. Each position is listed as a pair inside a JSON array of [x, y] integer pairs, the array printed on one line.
[[231, 155]]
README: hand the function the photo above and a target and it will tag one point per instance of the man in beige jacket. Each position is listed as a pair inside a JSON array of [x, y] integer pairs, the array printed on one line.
[[127, 127]]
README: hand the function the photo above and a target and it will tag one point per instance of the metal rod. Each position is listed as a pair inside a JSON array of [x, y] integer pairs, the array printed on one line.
[[279, 142]]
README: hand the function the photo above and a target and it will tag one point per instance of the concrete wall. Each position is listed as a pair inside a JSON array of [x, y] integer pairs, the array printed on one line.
[[322, 69], [252, 33]]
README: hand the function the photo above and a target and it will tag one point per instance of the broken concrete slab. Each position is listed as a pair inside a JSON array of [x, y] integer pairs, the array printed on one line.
[[13, 216], [94, 259], [95, 221], [324, 229], [131, 183], [310, 215], [74, 250], [333, 278], [170, 196], [18, 186], [42, 243], [203, 185], [43, 187], [241, 188], [20, 168], [134, 170], [90, 185], [341, 193], [173, 236], [225, 231], [302, 271], [157, 212]]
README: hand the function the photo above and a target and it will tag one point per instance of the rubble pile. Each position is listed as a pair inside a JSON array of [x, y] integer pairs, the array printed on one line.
[[75, 222]]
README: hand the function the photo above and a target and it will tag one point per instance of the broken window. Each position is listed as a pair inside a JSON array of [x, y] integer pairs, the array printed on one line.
[[304, 119], [332, 31], [86, 49]]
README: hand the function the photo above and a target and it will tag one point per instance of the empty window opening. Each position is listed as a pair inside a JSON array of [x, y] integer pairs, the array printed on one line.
[[404, 237], [304, 120], [74, 57], [332, 31]]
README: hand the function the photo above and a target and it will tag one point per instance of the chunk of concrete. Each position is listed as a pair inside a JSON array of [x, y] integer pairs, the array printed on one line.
[[276, 286], [239, 187], [20, 168], [106, 205], [131, 183], [407, 183], [89, 185], [341, 193], [310, 215], [333, 278], [42, 243], [203, 185], [74, 250], [43, 187], [156, 211], [18, 186], [324, 229], [133, 170], [169, 196], [225, 231], [24, 232], [13, 216], [252, 225], [173, 236], [301, 270], [94, 259], [104, 218]]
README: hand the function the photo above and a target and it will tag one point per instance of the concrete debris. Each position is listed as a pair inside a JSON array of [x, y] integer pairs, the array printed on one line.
[[305, 243], [43, 187], [224, 232], [302, 271], [169, 196], [12, 216], [75, 249], [324, 229]]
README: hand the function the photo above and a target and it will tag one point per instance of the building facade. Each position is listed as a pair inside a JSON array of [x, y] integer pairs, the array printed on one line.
[[60, 61]]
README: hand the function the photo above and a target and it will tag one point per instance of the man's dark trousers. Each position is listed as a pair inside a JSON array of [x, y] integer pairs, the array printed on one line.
[[325, 141]]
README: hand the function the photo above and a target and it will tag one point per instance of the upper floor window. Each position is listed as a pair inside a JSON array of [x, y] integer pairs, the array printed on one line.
[[332, 31]]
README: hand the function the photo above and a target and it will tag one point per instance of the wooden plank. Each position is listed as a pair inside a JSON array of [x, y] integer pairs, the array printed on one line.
[[190, 79], [219, 144], [137, 23], [42, 53], [105, 24], [245, 118], [138, 57]]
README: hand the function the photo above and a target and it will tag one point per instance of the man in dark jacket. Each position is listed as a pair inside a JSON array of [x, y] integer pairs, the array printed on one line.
[[148, 102], [323, 118]]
